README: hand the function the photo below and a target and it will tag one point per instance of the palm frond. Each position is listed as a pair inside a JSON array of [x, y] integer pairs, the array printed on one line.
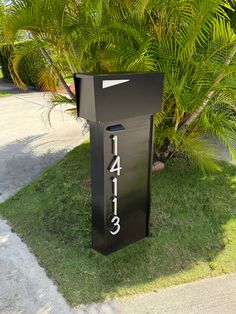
[[59, 99], [17, 55], [201, 153], [220, 122], [47, 80]]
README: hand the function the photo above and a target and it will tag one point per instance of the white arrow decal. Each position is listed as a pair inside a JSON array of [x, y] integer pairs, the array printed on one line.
[[109, 83]]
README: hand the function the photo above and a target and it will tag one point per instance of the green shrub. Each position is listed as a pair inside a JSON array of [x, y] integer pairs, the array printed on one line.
[[5, 52], [29, 67]]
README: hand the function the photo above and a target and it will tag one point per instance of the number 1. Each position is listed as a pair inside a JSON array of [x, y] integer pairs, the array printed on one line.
[[115, 145], [114, 181], [114, 201]]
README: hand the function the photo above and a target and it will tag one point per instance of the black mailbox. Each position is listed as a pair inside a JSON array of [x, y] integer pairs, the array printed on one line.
[[120, 108]]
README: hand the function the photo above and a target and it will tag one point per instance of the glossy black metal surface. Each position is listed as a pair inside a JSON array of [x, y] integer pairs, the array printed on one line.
[[133, 205], [139, 94], [126, 111]]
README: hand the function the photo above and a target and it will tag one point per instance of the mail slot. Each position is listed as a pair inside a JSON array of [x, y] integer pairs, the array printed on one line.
[[120, 109]]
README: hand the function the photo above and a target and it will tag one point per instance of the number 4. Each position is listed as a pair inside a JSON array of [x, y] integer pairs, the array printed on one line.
[[115, 166]]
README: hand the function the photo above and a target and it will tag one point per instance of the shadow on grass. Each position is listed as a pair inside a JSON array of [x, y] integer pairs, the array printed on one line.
[[189, 214]]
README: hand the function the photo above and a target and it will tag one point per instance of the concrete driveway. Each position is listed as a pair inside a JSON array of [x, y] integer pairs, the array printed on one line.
[[27, 143], [27, 146]]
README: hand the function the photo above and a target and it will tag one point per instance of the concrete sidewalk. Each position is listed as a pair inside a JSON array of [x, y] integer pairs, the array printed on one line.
[[208, 296], [27, 146]]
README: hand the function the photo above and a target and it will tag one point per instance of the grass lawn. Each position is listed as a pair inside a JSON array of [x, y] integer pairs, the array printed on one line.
[[193, 230], [5, 94]]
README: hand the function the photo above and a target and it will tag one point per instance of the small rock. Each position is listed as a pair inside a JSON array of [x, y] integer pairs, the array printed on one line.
[[158, 166]]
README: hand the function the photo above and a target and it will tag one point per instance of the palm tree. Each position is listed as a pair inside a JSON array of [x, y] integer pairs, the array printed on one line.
[[191, 41], [193, 44], [46, 34]]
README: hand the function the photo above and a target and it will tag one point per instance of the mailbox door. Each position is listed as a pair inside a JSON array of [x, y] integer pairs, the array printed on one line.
[[121, 154]]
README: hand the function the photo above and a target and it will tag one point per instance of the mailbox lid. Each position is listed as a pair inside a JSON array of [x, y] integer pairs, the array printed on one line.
[[114, 96]]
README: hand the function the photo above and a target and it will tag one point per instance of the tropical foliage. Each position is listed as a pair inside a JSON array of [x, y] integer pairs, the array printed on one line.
[[1, 20], [191, 41], [29, 68]]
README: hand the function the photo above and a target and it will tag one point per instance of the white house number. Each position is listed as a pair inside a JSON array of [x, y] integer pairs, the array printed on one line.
[[115, 168]]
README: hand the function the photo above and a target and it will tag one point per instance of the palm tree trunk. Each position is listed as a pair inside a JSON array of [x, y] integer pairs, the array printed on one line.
[[58, 74], [210, 94]]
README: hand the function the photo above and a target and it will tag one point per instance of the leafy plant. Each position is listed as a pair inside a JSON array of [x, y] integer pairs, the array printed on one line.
[[191, 41], [30, 65], [1, 20]]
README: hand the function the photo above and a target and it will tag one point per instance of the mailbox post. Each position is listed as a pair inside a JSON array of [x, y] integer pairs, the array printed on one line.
[[120, 108]]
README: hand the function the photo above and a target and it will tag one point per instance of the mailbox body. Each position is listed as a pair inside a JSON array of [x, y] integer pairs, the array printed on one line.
[[136, 95], [120, 109]]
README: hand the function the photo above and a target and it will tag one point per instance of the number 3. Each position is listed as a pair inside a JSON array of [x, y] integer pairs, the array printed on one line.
[[115, 220]]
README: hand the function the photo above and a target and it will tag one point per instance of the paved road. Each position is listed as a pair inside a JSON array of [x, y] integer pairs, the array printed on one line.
[[27, 146]]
